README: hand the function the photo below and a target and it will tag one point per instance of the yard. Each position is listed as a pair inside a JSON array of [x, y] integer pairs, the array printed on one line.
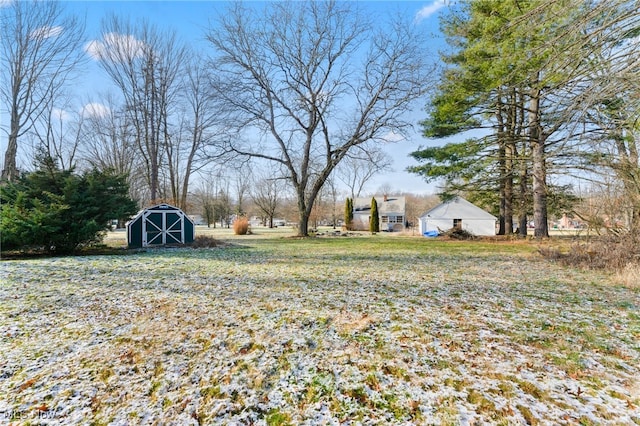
[[378, 329]]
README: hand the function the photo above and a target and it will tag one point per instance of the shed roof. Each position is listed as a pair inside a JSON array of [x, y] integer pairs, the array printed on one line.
[[458, 208], [160, 207]]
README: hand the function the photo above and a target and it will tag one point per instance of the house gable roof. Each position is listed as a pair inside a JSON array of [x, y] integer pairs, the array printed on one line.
[[458, 208], [392, 205]]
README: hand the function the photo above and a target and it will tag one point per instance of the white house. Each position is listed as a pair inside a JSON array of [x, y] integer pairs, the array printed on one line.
[[458, 213], [391, 210]]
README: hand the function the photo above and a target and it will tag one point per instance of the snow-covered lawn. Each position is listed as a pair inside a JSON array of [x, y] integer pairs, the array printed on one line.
[[323, 331]]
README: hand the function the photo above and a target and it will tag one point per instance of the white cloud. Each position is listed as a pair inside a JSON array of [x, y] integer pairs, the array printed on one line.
[[93, 49], [429, 10], [60, 114], [393, 137], [46, 32], [95, 110], [5, 3], [114, 47]]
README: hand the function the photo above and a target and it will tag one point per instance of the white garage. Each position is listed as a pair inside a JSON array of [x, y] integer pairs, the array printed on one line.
[[457, 213]]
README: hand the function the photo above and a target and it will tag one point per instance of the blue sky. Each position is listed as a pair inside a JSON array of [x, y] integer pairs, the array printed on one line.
[[190, 19]]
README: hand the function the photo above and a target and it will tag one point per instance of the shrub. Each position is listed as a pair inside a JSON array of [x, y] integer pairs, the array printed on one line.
[[58, 211], [630, 275], [616, 252], [205, 241], [348, 214], [241, 226], [374, 222], [613, 252], [458, 234]]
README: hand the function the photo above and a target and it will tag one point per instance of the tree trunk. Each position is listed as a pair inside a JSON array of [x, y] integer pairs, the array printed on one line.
[[10, 171], [303, 214], [539, 170], [303, 224], [523, 221], [501, 164], [508, 190], [539, 191], [506, 115], [503, 184]]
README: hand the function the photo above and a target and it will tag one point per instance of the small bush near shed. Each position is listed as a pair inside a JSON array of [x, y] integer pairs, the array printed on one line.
[[205, 241], [458, 234], [241, 226]]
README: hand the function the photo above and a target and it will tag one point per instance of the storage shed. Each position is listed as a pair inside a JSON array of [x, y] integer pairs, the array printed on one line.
[[457, 213], [160, 225]]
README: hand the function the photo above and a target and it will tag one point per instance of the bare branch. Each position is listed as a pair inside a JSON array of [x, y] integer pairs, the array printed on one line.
[[41, 48], [308, 82]]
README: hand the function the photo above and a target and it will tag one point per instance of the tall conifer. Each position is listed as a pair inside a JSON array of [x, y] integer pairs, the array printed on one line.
[[374, 222], [348, 213]]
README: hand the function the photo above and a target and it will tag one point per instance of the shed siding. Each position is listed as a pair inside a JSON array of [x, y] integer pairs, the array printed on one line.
[[134, 233], [160, 225]]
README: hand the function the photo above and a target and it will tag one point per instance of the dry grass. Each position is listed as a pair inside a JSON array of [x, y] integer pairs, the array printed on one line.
[[619, 254], [629, 275], [241, 226], [206, 241]]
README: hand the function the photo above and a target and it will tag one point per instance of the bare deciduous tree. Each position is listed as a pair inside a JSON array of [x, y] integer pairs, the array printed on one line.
[[242, 181], [611, 107], [306, 83], [266, 193], [109, 143], [57, 133], [360, 166], [41, 47], [198, 128], [145, 65]]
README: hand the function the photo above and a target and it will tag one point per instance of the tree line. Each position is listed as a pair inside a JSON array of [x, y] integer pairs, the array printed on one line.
[[297, 87], [305, 94], [544, 90]]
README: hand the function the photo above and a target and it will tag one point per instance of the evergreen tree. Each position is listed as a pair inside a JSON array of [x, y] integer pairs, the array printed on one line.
[[58, 211], [348, 213], [524, 71], [374, 222]]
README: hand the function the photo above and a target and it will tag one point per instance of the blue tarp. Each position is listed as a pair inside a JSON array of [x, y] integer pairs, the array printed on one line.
[[430, 234]]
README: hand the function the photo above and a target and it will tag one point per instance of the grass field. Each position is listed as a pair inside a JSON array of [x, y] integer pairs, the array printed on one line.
[[381, 329]]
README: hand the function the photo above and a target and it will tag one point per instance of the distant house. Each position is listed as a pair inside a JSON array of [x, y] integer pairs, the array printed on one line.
[[256, 221], [458, 213], [197, 219], [391, 210]]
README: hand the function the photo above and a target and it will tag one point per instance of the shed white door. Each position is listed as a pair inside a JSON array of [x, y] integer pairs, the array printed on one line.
[[162, 227]]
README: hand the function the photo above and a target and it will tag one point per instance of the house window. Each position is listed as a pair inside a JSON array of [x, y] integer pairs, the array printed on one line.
[[457, 223], [392, 219]]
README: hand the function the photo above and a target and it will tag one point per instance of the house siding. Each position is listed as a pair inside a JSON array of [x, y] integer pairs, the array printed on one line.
[[391, 211], [475, 226]]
